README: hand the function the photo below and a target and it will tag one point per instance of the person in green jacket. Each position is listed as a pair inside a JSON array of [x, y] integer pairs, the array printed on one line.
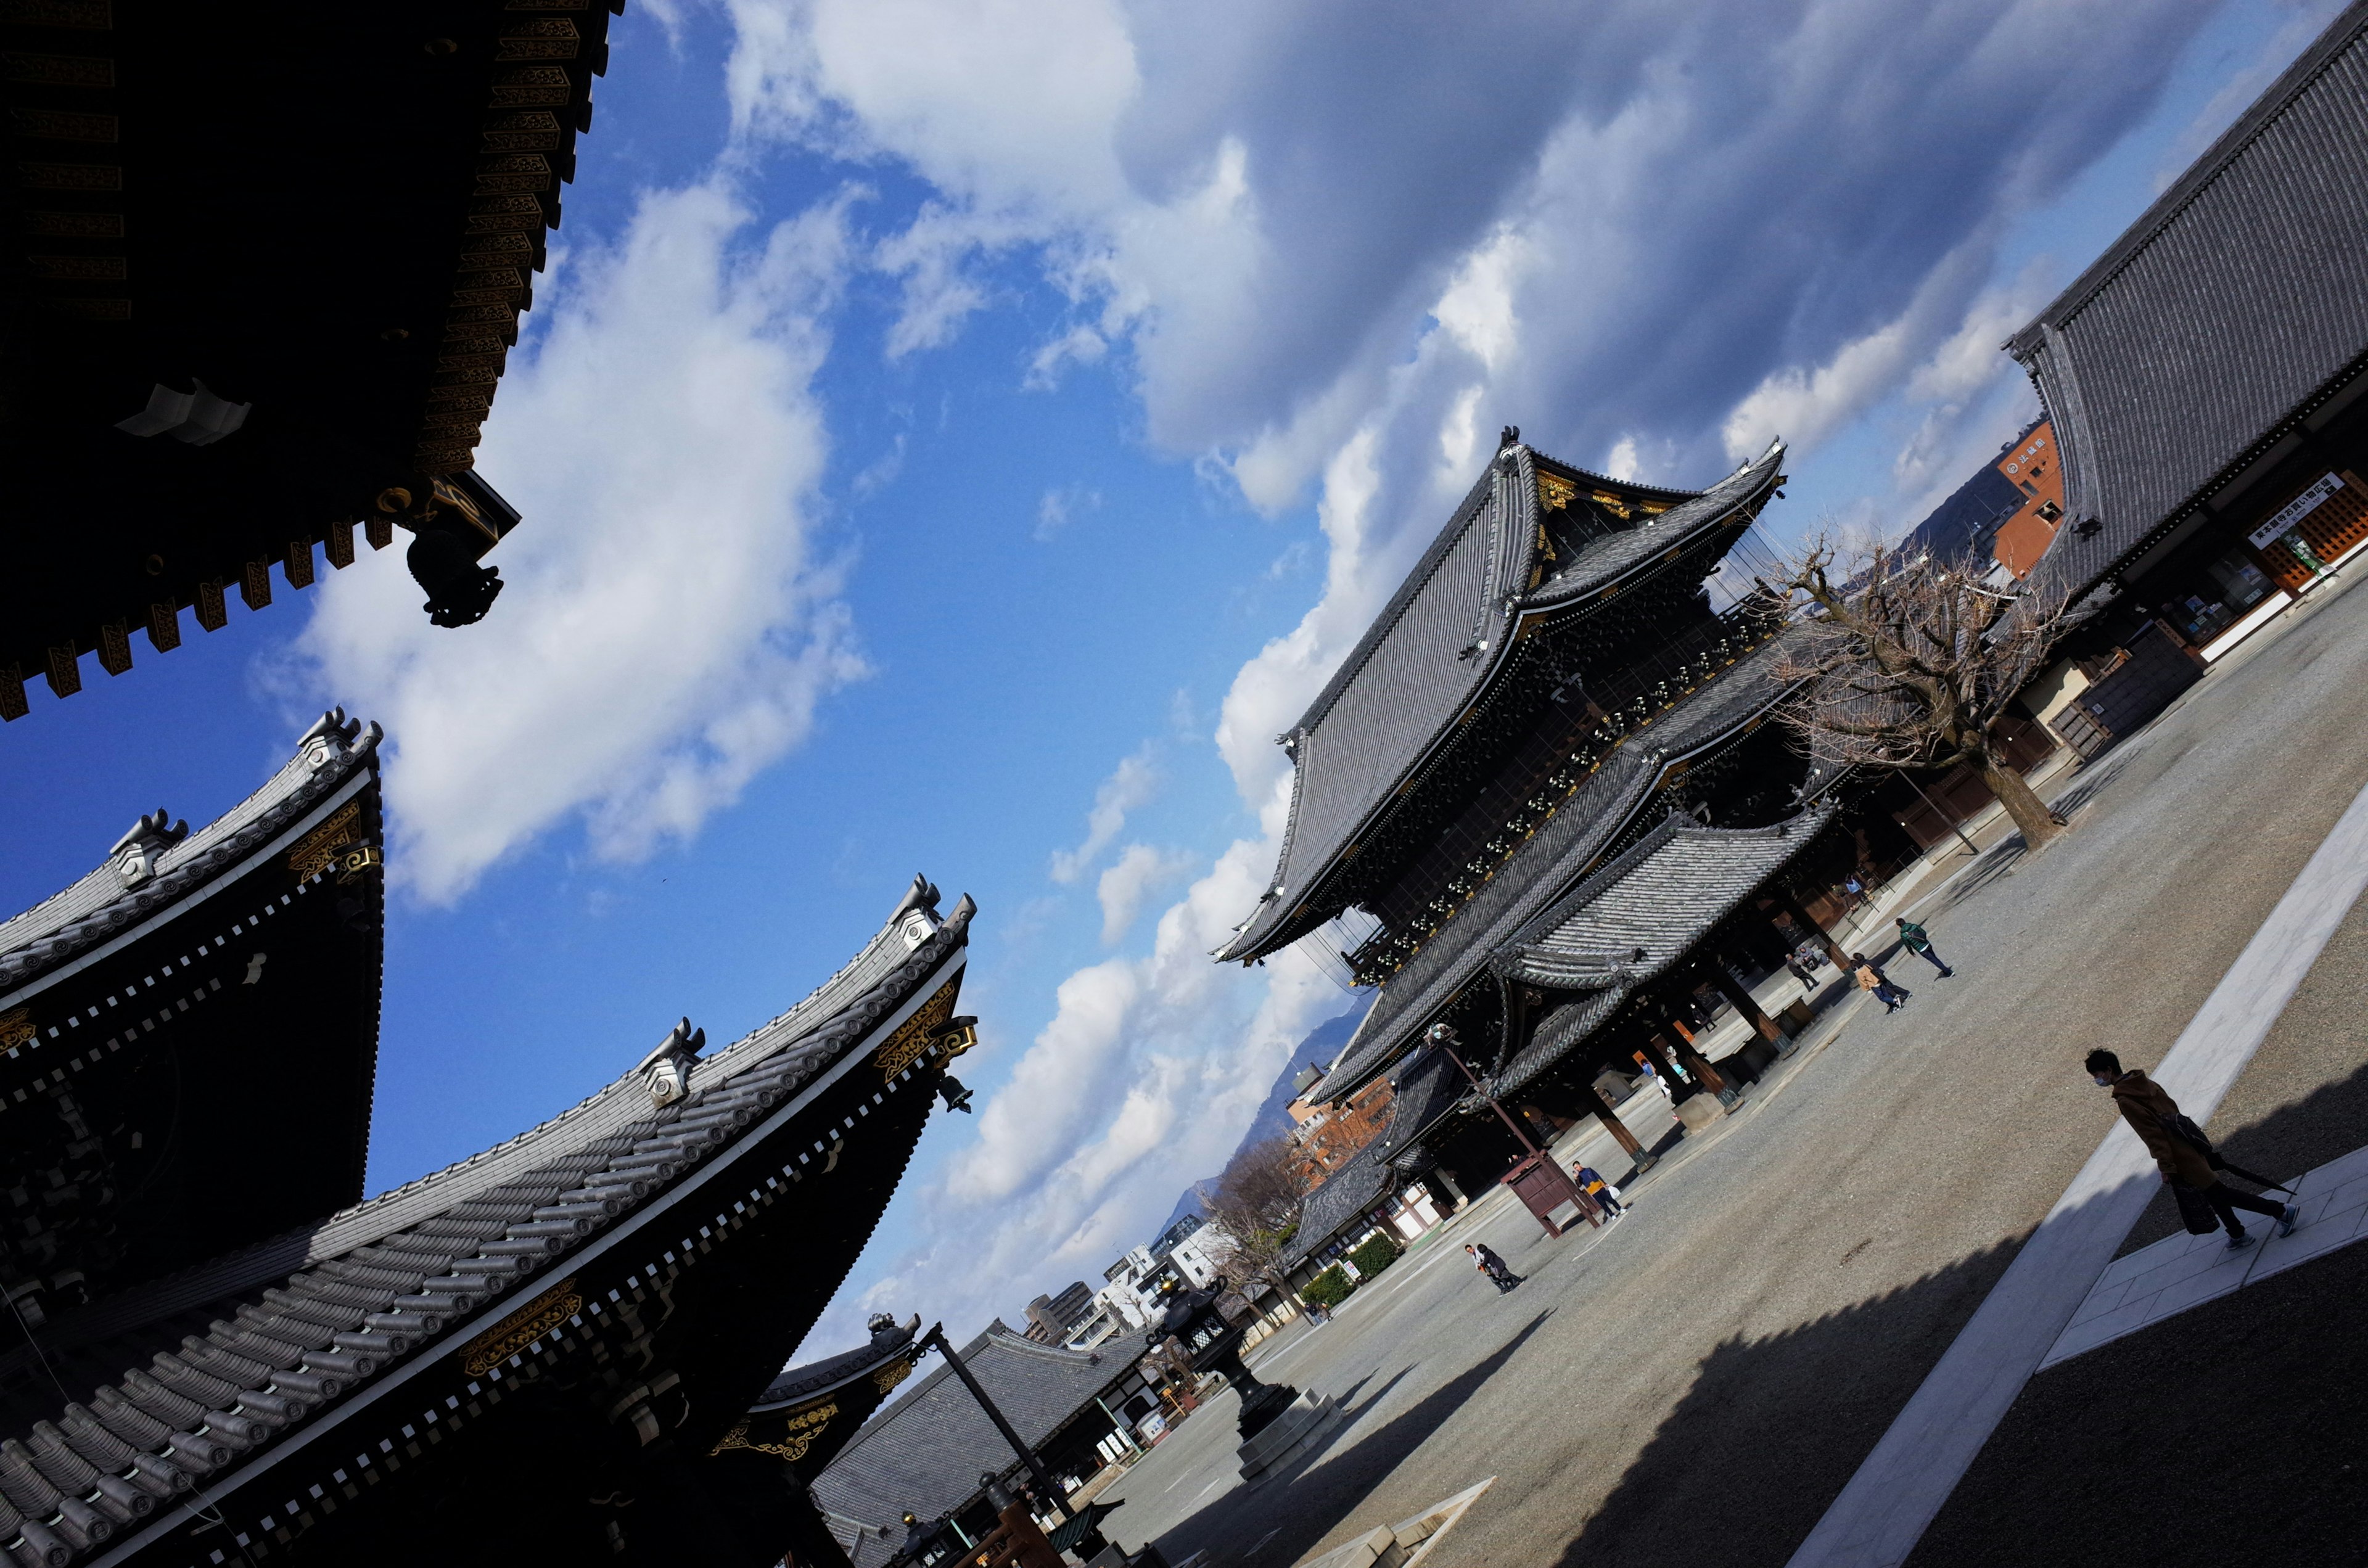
[[1913, 937]]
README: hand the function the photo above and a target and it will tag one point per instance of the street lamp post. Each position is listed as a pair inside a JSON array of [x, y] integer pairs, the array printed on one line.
[[937, 1337], [1443, 1037]]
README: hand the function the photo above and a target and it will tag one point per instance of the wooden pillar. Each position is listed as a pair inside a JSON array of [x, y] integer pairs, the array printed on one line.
[[1654, 1051], [1638, 1154], [1791, 906], [1696, 1063], [1740, 999]]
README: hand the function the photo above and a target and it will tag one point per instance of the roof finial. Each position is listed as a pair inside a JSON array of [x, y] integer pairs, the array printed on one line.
[[1510, 435], [922, 895], [665, 1071]]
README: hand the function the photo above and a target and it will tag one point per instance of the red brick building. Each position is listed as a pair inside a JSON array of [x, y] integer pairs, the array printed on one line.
[[2030, 466]]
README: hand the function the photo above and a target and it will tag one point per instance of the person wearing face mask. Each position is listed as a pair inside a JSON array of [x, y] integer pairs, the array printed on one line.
[[2154, 1115]]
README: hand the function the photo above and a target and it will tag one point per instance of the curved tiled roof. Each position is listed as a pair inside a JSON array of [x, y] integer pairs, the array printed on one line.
[[1631, 921], [923, 1453], [1346, 1193], [1434, 649], [98, 905], [319, 1314], [1546, 862], [2216, 318]]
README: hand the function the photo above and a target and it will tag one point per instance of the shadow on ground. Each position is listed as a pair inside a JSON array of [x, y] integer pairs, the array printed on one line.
[[1286, 1514], [1736, 1474], [2230, 1434], [2203, 1433], [2253, 1387], [1772, 1428]]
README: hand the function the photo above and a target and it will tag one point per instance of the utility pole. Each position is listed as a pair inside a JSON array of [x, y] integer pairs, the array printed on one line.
[[1045, 1481]]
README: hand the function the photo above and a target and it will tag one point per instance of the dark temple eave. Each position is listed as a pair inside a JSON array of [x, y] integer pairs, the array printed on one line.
[[263, 285]]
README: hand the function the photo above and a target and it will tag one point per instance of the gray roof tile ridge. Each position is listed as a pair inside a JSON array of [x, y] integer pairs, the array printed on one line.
[[1361, 1178], [757, 1045], [321, 1241], [49, 934], [212, 1405], [798, 1382], [1013, 1343], [1493, 614], [1393, 610], [1571, 1022], [1676, 828], [2333, 42]]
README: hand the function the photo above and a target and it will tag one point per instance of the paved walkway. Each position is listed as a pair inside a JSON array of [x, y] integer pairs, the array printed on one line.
[[1879, 1516], [2141, 1288]]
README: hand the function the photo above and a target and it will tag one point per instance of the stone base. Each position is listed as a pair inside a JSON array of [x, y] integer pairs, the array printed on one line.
[[1266, 1403], [1282, 1439], [1697, 1111]]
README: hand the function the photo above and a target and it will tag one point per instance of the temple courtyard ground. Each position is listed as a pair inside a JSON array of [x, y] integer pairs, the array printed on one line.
[[1698, 1382]]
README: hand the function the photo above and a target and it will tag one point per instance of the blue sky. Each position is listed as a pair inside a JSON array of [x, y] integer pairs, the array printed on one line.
[[960, 438]]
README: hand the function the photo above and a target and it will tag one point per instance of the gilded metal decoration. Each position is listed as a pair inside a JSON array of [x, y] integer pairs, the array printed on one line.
[[885, 1379], [1555, 491], [521, 1328], [359, 859], [16, 1028], [800, 1431], [914, 1036], [318, 850]]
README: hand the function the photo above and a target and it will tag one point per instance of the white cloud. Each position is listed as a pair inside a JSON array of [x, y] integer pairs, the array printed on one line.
[[1143, 1079], [1336, 270], [666, 628], [1130, 785], [1080, 345], [1138, 872], [1060, 507]]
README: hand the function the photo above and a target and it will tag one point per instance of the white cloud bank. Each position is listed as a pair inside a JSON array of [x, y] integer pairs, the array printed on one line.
[[665, 628], [1334, 260]]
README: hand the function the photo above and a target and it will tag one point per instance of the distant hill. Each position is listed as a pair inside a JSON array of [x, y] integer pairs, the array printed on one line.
[[1322, 1044]]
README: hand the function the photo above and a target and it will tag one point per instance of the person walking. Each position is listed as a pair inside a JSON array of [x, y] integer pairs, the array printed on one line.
[[1592, 1183], [1490, 1264], [1870, 978], [1802, 973], [2174, 1140], [1917, 940]]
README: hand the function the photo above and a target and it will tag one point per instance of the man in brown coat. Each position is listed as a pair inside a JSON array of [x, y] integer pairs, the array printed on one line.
[[2154, 1115]]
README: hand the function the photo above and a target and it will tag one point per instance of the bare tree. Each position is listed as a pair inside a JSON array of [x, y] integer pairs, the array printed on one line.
[[1907, 660], [1256, 1203]]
